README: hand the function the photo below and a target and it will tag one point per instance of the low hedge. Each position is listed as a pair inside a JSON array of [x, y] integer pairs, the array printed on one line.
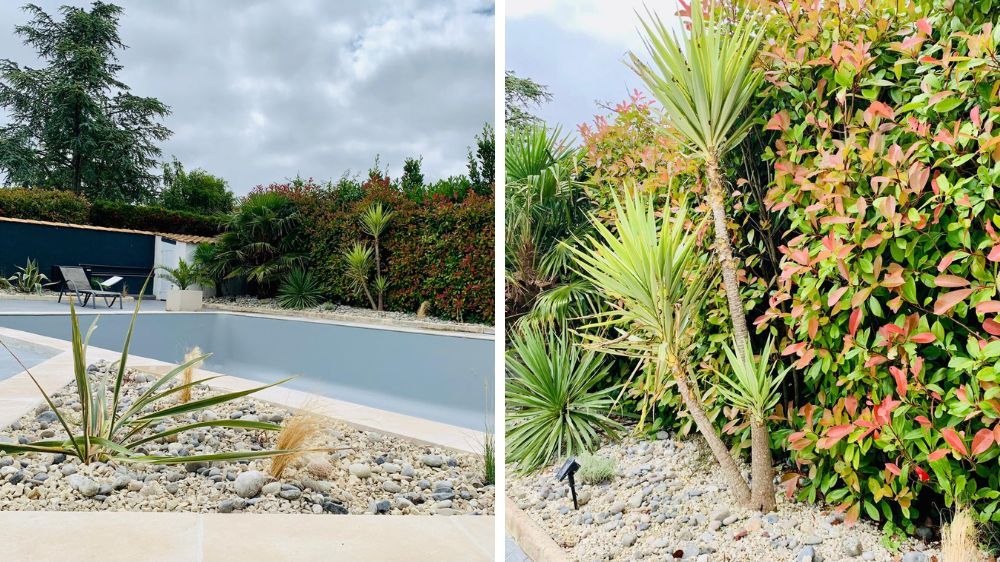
[[437, 250], [70, 208], [44, 205], [157, 219]]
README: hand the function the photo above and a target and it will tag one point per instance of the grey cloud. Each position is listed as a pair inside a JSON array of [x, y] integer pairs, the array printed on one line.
[[264, 90]]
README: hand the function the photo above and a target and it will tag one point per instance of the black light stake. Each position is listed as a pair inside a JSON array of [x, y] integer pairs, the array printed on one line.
[[569, 469]]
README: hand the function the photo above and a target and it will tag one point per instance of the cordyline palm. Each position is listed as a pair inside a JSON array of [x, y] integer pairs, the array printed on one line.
[[706, 81], [544, 205], [651, 277], [374, 222]]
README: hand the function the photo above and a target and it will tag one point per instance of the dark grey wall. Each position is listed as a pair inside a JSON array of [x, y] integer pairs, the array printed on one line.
[[56, 245]]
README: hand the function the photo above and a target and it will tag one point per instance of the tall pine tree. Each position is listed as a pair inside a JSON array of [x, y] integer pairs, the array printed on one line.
[[72, 124]]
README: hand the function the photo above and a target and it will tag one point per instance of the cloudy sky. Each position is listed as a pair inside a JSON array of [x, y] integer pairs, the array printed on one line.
[[262, 90], [577, 48]]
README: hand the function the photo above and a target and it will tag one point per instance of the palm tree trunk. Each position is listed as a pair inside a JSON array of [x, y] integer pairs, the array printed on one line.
[[730, 471], [717, 201], [762, 470]]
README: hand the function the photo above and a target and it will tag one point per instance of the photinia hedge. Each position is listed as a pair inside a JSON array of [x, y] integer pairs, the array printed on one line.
[[44, 205], [885, 165], [438, 250]]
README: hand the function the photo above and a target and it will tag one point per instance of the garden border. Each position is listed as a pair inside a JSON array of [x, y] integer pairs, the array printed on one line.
[[532, 539], [457, 538]]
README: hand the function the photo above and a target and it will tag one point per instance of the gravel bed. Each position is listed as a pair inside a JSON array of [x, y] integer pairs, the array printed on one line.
[[372, 473], [668, 501], [271, 305]]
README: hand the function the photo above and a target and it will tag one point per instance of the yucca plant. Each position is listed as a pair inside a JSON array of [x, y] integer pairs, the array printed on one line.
[[108, 429], [555, 400], [358, 258], [754, 388], [301, 289], [28, 279], [649, 271], [706, 81], [374, 221]]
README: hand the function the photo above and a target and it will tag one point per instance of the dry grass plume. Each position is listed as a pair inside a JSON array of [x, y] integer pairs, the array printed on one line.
[[424, 310], [188, 376], [300, 431], [959, 541]]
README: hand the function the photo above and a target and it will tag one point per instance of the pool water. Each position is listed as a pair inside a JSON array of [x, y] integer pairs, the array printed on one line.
[[440, 376], [28, 353]]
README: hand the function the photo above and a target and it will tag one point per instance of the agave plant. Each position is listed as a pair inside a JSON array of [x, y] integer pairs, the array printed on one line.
[[28, 279], [374, 221], [556, 403], [358, 258], [651, 276], [301, 289], [107, 429]]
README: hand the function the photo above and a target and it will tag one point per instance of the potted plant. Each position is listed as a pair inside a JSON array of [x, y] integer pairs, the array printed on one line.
[[181, 297]]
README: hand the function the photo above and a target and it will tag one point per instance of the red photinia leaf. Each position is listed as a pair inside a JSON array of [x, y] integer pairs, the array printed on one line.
[[917, 365], [790, 484], [923, 337], [987, 307], [851, 404], [996, 433], [839, 431], [793, 348], [991, 326], [924, 25], [994, 254], [900, 376], [923, 421], [948, 301], [918, 176], [955, 440], [854, 322], [779, 122], [922, 474], [835, 296], [936, 455], [950, 281], [891, 467], [982, 441], [947, 260], [851, 517]]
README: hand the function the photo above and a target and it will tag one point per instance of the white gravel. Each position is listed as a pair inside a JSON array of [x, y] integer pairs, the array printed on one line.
[[374, 474], [669, 501], [253, 304]]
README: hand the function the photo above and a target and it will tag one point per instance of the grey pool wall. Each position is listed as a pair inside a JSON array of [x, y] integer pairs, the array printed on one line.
[[444, 377]]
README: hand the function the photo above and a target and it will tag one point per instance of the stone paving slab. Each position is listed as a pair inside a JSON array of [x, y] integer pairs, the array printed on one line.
[[53, 536]]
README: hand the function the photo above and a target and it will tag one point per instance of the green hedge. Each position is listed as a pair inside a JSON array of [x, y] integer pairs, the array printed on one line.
[[44, 205], [438, 250], [67, 207], [157, 219]]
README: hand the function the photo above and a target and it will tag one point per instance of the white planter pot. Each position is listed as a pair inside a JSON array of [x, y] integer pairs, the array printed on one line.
[[183, 301]]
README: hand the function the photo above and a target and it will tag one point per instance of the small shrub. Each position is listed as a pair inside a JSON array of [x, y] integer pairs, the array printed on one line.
[[959, 542], [595, 469], [301, 289], [556, 404], [28, 279], [299, 432], [489, 459], [185, 275]]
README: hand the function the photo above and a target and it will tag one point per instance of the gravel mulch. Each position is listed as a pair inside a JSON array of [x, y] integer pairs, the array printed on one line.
[[372, 473]]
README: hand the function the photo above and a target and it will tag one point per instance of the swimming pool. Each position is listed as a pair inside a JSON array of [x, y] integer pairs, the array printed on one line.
[[29, 354], [444, 377]]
